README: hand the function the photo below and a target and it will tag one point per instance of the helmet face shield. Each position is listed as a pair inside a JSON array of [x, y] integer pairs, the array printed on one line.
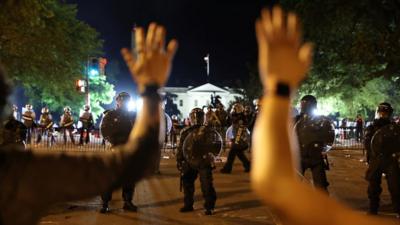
[[45, 110], [123, 99], [384, 110], [196, 116], [28, 106], [308, 104], [237, 108], [67, 109]]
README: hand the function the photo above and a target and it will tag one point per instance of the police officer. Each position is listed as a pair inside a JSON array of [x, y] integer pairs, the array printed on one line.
[[381, 162], [86, 119], [28, 118], [13, 132], [115, 128], [201, 166], [239, 138], [45, 126], [312, 155], [67, 124], [15, 112]]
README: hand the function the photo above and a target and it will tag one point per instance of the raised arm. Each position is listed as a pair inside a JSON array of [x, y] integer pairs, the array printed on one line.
[[34, 181], [283, 62]]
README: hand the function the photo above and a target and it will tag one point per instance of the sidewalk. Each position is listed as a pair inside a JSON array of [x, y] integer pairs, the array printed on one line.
[[158, 198]]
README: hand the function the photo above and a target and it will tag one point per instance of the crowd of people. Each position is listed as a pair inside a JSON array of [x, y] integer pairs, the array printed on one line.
[[26, 124], [28, 186]]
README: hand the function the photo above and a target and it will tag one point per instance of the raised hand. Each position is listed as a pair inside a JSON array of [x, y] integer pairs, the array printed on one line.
[[152, 64], [282, 56]]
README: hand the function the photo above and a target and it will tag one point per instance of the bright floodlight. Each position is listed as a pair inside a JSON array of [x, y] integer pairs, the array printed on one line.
[[135, 104], [132, 105]]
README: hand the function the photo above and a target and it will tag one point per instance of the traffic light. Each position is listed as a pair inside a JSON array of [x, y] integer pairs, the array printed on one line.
[[81, 86], [102, 65], [93, 67], [96, 66]]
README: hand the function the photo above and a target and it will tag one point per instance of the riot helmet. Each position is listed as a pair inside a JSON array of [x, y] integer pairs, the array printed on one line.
[[237, 108], [197, 116], [67, 109], [247, 110], [308, 104], [123, 99], [45, 110], [28, 107], [384, 110], [237, 113], [257, 104]]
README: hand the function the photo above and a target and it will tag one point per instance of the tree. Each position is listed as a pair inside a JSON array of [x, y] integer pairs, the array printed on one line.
[[356, 42], [101, 92], [44, 48]]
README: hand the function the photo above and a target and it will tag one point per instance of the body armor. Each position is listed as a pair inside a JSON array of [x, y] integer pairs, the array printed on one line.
[[29, 118], [315, 133], [86, 118], [14, 132], [239, 135], [67, 120], [201, 145], [386, 141], [116, 126], [46, 121]]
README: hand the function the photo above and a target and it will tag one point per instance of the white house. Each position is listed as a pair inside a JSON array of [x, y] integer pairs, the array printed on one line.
[[191, 97]]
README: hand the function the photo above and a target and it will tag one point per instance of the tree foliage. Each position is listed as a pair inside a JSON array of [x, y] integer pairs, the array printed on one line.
[[45, 48], [101, 92], [356, 51]]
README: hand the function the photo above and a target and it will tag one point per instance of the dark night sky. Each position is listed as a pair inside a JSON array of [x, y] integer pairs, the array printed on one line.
[[225, 29]]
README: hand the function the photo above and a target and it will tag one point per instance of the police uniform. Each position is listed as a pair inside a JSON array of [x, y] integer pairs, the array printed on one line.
[[13, 133], [86, 119], [239, 140], [45, 126], [381, 162], [116, 127], [28, 118], [191, 167], [313, 140], [67, 124]]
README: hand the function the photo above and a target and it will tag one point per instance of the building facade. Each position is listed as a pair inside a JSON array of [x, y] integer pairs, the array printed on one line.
[[192, 97]]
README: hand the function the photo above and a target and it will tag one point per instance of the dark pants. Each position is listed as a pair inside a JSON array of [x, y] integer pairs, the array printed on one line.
[[84, 131], [206, 182], [231, 158], [318, 172], [374, 176], [127, 193], [359, 134], [69, 130], [29, 131], [50, 138]]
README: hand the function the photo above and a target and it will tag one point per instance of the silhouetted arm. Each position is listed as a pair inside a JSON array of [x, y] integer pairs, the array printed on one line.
[[283, 62], [31, 182]]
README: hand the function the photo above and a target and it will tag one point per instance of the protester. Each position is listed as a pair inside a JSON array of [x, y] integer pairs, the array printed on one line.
[[283, 63]]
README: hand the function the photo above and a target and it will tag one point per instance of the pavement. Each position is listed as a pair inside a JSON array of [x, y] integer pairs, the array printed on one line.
[[158, 198]]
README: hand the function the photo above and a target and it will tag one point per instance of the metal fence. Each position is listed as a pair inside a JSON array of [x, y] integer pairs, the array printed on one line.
[[345, 138]]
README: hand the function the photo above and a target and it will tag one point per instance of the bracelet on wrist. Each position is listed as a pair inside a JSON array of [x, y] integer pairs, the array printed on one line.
[[282, 89], [150, 90]]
